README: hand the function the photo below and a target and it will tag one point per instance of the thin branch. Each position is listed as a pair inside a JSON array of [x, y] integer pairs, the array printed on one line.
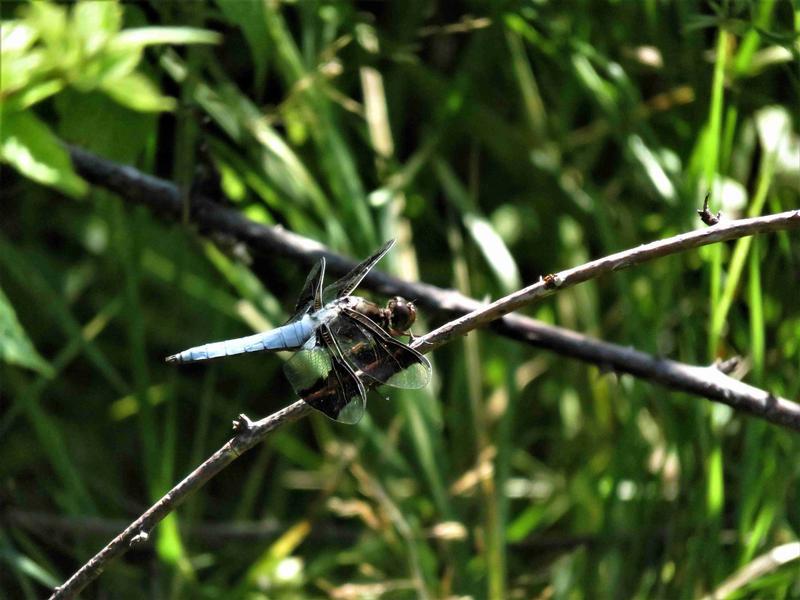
[[250, 434], [613, 262], [708, 381], [212, 533], [756, 568]]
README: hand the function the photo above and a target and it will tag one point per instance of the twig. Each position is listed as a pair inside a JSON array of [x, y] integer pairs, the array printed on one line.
[[758, 567], [250, 434], [163, 198], [607, 264]]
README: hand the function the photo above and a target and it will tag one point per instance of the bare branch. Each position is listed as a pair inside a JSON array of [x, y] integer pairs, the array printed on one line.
[[710, 382], [213, 533], [756, 568], [613, 262], [250, 434]]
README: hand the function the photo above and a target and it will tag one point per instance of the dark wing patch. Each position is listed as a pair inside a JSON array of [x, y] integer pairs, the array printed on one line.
[[323, 379], [379, 356]]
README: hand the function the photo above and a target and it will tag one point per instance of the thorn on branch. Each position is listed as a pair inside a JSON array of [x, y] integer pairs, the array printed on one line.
[[706, 216], [242, 423], [139, 538], [729, 365]]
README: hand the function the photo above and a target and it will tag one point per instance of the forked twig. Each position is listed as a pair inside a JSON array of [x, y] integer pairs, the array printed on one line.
[[708, 381]]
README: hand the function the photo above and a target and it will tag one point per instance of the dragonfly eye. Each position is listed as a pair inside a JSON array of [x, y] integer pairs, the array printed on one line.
[[402, 314]]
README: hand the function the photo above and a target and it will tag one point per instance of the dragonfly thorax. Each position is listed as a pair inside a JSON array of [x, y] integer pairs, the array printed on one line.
[[396, 317]]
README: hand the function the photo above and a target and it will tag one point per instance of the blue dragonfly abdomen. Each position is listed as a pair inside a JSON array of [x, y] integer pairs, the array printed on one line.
[[291, 336]]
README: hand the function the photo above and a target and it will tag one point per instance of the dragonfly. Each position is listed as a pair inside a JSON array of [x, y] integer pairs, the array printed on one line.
[[343, 344]]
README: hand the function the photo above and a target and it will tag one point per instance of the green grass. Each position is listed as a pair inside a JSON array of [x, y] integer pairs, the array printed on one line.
[[532, 137]]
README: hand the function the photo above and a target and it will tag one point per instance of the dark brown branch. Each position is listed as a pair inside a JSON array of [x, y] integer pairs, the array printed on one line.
[[46, 525], [707, 382], [163, 198]]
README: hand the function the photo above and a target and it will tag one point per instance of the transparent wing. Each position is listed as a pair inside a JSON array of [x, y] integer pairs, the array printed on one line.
[[368, 348], [345, 286], [312, 289], [325, 381]]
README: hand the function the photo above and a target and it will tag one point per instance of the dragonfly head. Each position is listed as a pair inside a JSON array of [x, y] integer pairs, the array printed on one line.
[[402, 315]]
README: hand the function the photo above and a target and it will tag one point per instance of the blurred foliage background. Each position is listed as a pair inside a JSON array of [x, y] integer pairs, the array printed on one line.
[[498, 141]]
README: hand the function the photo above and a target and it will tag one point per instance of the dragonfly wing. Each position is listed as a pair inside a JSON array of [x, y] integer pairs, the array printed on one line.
[[311, 292], [379, 356], [345, 286], [323, 379]]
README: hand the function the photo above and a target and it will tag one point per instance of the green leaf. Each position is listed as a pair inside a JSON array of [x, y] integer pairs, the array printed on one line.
[[149, 36], [137, 92], [48, 20], [16, 37], [96, 122], [25, 565], [115, 63], [33, 94], [494, 250], [96, 22], [169, 543], [92, 26], [651, 166], [491, 245], [15, 346], [28, 145], [18, 70], [602, 91]]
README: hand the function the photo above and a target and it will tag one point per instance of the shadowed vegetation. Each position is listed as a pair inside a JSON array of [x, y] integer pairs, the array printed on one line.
[[498, 142]]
